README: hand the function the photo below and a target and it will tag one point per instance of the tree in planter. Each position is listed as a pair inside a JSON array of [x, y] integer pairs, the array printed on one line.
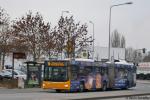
[[31, 29]]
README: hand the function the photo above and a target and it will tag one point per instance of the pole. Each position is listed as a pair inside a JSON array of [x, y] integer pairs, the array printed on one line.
[[13, 66], [109, 33], [109, 48], [93, 41], [93, 38]]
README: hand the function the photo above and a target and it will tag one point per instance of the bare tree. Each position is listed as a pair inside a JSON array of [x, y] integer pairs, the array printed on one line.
[[147, 58], [18, 43], [123, 42], [31, 29], [5, 44], [49, 42], [4, 35], [117, 40], [4, 17], [130, 54], [71, 36]]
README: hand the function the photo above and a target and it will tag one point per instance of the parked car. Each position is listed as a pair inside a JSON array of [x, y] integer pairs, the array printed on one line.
[[17, 74], [1, 78], [5, 74], [8, 66]]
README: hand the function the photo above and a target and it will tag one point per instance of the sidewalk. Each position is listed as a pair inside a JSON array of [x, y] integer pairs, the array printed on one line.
[[25, 90], [143, 81]]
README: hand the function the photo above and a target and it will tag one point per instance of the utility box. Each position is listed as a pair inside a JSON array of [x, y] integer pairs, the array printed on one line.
[[21, 83]]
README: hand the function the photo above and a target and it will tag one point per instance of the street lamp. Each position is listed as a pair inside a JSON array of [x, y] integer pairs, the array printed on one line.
[[93, 37], [127, 3], [64, 12]]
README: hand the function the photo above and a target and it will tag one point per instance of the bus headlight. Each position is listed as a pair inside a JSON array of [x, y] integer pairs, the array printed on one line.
[[43, 85], [66, 85]]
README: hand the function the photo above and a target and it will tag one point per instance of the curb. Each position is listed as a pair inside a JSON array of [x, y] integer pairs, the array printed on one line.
[[3, 88], [143, 81], [109, 97]]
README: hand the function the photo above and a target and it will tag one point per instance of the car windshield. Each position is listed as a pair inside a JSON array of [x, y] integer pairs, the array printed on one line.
[[57, 74], [19, 72], [16, 72], [5, 72]]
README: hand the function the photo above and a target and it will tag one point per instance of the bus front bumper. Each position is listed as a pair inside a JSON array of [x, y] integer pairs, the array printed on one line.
[[56, 85]]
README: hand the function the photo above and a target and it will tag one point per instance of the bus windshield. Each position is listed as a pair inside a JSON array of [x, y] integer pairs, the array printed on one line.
[[56, 74]]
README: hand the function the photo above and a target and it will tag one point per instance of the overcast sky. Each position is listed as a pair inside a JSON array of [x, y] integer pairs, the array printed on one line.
[[133, 21]]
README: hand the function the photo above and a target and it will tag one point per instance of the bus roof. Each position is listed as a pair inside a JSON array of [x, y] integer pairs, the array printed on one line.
[[80, 59], [123, 62]]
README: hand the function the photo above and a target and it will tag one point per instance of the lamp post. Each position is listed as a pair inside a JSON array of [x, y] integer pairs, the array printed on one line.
[[127, 3], [93, 36], [64, 12]]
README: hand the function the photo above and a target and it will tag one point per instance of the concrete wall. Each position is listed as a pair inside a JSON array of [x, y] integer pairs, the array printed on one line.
[[102, 53]]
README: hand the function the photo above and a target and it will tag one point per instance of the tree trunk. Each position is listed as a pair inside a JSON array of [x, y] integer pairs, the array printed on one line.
[[0, 60], [49, 55], [34, 55], [3, 60]]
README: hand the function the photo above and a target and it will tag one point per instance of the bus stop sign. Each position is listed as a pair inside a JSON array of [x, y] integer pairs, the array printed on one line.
[[19, 55]]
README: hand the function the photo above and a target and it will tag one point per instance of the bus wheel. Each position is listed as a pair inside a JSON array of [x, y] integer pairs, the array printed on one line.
[[81, 87], [104, 88], [125, 88]]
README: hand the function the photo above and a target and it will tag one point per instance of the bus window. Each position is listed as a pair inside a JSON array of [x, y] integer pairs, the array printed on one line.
[[74, 72], [121, 73], [116, 72], [55, 74], [98, 69], [104, 71], [47, 73], [87, 70]]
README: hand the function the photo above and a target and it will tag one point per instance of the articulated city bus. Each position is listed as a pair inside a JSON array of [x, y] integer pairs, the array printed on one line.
[[86, 74]]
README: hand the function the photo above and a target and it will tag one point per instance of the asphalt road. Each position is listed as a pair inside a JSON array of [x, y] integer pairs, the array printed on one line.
[[141, 97], [38, 94]]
